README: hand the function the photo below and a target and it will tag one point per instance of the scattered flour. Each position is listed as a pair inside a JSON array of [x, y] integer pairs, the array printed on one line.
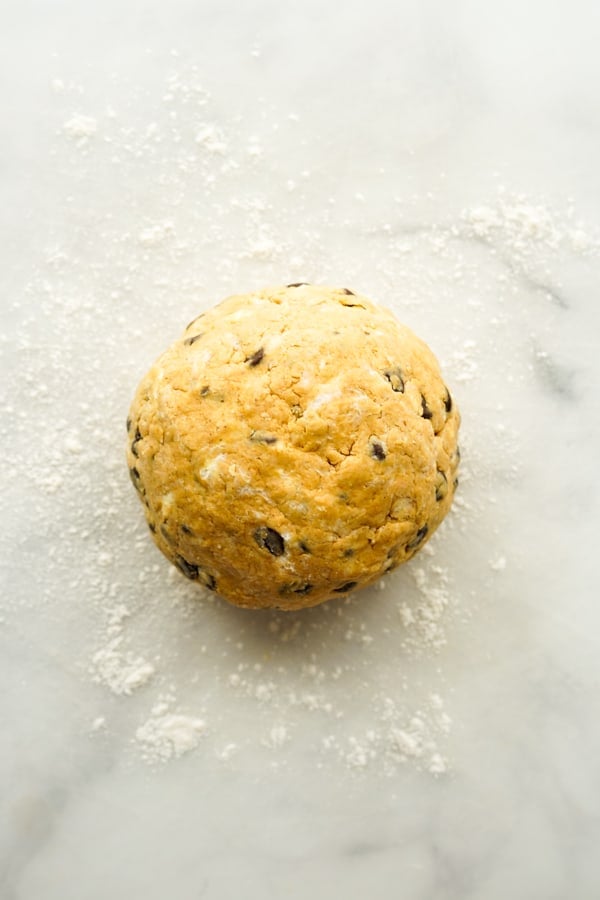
[[227, 752], [165, 734], [80, 128], [424, 619], [114, 665], [516, 222], [211, 138], [277, 737], [120, 670]]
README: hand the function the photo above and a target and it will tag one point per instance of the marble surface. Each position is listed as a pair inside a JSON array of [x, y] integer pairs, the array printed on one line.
[[439, 735]]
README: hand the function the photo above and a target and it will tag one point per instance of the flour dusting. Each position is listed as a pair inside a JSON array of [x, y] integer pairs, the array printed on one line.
[[165, 734]]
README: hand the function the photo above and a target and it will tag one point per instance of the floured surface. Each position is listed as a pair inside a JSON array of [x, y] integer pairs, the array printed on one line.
[[352, 682], [373, 734]]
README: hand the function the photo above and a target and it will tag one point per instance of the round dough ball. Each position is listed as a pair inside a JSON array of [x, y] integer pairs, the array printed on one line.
[[295, 444]]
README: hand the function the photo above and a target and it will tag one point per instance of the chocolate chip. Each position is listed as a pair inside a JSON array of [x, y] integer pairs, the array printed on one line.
[[207, 580], [186, 529], [426, 412], [346, 291], [296, 588], [270, 540], [128, 423], [441, 485], [298, 284], [377, 449], [256, 357], [194, 320], [347, 586], [136, 479], [448, 401], [135, 441], [348, 552], [418, 538], [192, 340], [204, 390], [195, 573], [152, 527], [259, 437], [394, 376], [166, 534], [304, 546], [187, 568]]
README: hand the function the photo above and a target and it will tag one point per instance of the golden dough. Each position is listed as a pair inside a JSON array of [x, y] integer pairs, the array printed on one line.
[[295, 444]]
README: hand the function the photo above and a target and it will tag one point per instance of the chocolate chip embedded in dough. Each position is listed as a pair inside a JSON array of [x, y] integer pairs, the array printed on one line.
[[394, 376], [206, 579], [441, 485], [418, 538], [136, 480], [136, 440], [346, 587], [166, 535], [425, 411], [448, 401], [192, 340], [195, 573], [304, 546], [349, 292], [296, 588], [377, 450], [298, 284], [256, 357], [193, 321], [186, 529], [190, 571], [270, 540]]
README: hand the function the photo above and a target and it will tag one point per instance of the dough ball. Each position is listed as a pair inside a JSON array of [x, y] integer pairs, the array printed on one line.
[[294, 444]]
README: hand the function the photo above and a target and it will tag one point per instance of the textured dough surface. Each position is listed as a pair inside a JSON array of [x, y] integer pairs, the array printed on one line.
[[295, 444]]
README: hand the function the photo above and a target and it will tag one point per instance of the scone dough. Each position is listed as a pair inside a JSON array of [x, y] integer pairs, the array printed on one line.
[[295, 444]]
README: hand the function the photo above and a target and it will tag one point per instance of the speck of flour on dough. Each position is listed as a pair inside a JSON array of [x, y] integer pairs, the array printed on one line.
[[359, 686]]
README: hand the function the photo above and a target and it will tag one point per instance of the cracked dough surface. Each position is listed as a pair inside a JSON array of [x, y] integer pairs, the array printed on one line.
[[294, 444]]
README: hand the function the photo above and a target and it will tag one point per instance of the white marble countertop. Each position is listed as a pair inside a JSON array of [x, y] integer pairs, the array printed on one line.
[[438, 736]]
